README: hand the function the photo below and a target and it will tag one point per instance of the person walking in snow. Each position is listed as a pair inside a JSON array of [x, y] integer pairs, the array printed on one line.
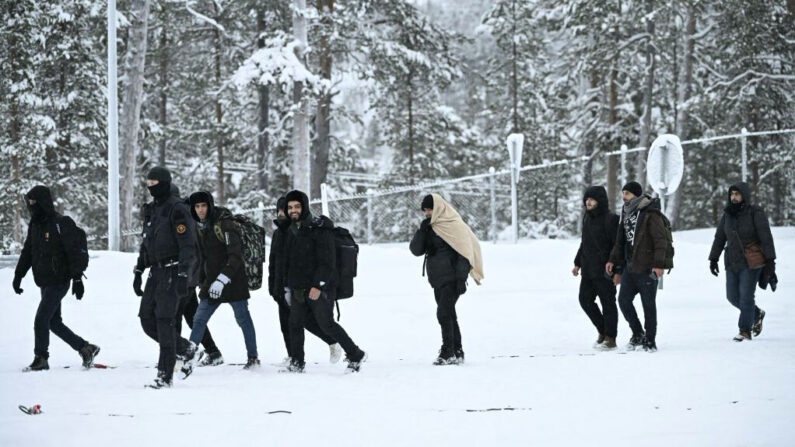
[[452, 252], [222, 275], [744, 233], [276, 260], [310, 276], [637, 261], [169, 247], [599, 227], [52, 249]]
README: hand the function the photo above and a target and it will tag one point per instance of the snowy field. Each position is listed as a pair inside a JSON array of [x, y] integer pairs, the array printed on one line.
[[529, 353]]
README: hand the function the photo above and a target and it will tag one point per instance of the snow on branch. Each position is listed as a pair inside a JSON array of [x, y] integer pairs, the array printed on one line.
[[275, 63]]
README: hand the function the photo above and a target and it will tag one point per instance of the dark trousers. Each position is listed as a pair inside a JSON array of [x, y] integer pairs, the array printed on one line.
[[446, 298], [158, 312], [606, 320], [48, 318], [740, 288], [322, 311], [187, 309], [631, 285], [310, 325]]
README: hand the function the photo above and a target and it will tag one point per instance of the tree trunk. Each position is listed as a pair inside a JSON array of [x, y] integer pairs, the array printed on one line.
[[323, 118], [648, 91], [514, 79], [131, 113], [300, 168], [263, 91], [590, 140], [612, 119], [219, 116], [163, 54], [685, 89], [411, 130]]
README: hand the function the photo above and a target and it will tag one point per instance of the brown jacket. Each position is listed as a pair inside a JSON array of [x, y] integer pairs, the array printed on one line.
[[648, 249]]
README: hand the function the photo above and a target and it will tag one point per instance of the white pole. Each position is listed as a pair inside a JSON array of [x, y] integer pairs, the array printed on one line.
[[493, 196], [743, 139], [514, 206], [113, 134], [324, 199], [369, 217]]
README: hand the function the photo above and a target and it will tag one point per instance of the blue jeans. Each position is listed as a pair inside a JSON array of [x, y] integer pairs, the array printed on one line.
[[740, 288], [206, 310]]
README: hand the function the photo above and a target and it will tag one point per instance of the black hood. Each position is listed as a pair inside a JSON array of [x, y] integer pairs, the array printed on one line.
[[175, 190], [744, 189], [599, 194], [202, 197], [281, 204], [41, 194], [299, 196]]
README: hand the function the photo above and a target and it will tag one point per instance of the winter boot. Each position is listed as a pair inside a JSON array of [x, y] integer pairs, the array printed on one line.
[[210, 358], [445, 357], [459, 356], [161, 381], [757, 329], [636, 341], [189, 361], [599, 341], [743, 336], [354, 366], [39, 364], [335, 353], [608, 344], [253, 362], [649, 346], [294, 366], [87, 353]]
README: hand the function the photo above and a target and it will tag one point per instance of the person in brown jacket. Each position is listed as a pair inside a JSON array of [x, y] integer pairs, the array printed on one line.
[[637, 260]]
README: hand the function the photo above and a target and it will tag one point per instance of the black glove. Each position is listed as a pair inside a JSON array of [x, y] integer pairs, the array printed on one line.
[[425, 225], [137, 284], [713, 268], [182, 285], [16, 284], [768, 276], [77, 288]]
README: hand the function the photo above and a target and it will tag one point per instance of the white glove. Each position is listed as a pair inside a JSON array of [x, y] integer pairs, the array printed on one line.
[[217, 287], [287, 295]]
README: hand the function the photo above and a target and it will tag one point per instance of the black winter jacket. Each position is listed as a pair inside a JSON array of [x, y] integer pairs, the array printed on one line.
[[442, 263], [599, 228], [310, 255], [735, 231], [276, 259], [169, 233], [51, 241]]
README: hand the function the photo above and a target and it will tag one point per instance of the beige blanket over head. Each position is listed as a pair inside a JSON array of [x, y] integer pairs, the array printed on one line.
[[447, 223]]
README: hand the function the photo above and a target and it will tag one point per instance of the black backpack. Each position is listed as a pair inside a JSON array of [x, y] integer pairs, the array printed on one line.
[[347, 259], [77, 254], [252, 237]]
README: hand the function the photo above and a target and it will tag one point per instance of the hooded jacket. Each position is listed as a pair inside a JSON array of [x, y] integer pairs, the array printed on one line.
[[649, 244], [220, 250], [599, 228], [310, 253], [51, 241], [276, 258], [736, 230]]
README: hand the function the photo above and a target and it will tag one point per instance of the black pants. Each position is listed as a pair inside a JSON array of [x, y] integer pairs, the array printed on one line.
[[631, 285], [311, 326], [446, 298], [606, 320], [158, 312], [48, 318], [187, 309], [322, 311]]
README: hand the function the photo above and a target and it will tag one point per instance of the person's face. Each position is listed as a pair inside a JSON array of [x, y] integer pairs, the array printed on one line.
[[201, 210], [294, 209], [627, 196], [736, 196], [590, 204], [427, 212], [150, 183]]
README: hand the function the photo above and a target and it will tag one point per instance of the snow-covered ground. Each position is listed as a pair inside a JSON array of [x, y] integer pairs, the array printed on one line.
[[528, 348]]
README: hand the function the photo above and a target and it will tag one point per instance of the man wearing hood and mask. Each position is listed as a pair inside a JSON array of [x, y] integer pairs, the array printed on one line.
[[744, 233], [637, 261], [52, 248], [169, 248], [599, 226], [276, 260]]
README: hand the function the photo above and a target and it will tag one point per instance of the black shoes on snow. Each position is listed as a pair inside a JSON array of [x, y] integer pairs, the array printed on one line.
[[161, 381], [188, 360], [757, 329], [636, 341], [354, 366], [253, 362], [210, 358], [599, 340], [459, 356], [39, 364], [743, 336], [293, 366], [608, 343], [446, 357], [88, 353], [649, 346]]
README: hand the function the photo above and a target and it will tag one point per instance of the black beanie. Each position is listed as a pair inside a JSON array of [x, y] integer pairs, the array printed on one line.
[[160, 174], [634, 188], [427, 202]]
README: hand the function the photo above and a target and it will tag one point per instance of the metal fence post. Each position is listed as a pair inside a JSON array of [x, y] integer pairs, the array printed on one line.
[[493, 196], [324, 200], [261, 213], [743, 140], [369, 217]]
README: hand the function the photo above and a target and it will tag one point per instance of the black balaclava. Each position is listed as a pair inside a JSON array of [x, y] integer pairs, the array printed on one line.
[[43, 208], [162, 190]]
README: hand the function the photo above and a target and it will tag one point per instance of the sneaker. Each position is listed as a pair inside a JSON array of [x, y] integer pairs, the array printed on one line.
[[294, 366], [253, 362], [39, 364], [353, 367], [210, 359], [335, 353], [757, 329], [189, 360], [87, 353], [743, 336], [599, 340], [160, 381], [445, 357], [636, 341], [459, 356], [608, 344], [649, 346]]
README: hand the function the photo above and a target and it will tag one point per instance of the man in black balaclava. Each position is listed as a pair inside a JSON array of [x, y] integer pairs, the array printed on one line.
[[169, 250], [53, 249]]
